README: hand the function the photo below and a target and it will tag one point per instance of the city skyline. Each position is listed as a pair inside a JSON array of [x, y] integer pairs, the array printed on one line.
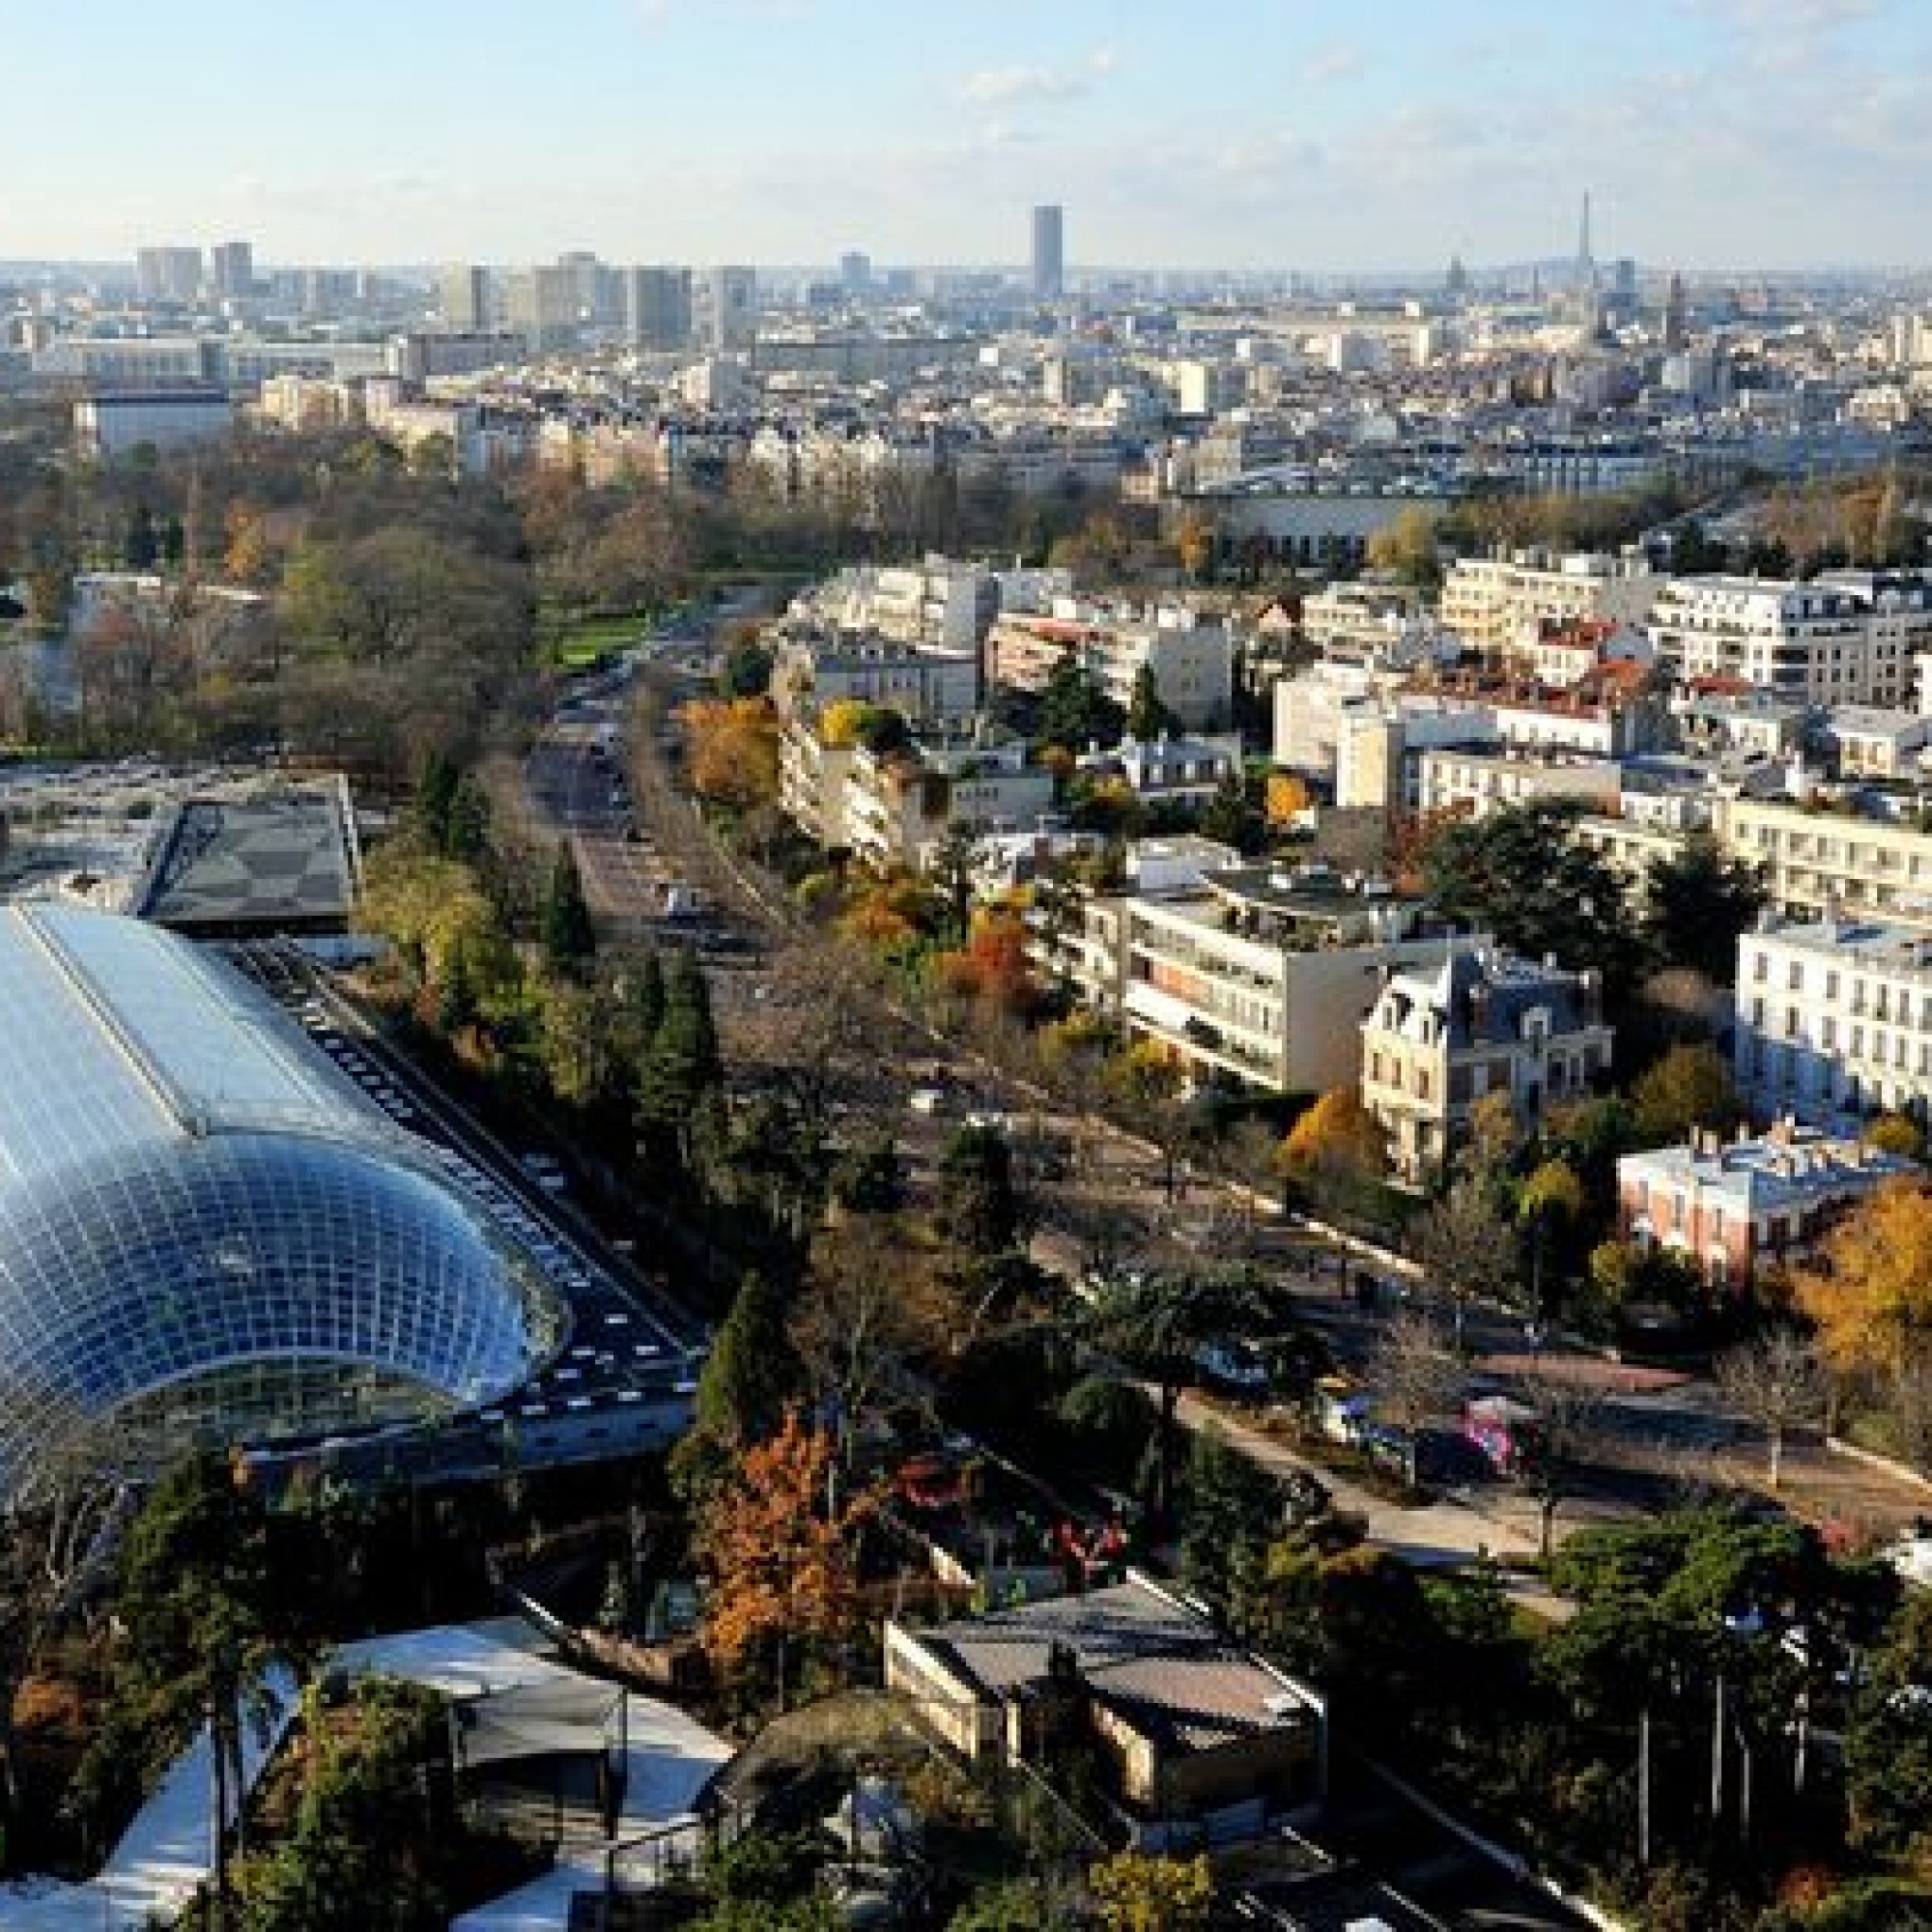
[[1770, 133]]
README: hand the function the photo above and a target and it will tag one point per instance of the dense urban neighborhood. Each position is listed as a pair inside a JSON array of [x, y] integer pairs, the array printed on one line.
[[970, 1097]]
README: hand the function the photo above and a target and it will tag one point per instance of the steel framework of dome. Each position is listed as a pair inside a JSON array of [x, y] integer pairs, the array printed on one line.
[[206, 1232]]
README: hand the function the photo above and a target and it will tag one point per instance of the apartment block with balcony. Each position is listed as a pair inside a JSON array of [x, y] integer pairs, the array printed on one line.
[[1833, 1020], [1816, 861], [1492, 601], [1191, 660], [1844, 639], [1236, 973], [1481, 1021]]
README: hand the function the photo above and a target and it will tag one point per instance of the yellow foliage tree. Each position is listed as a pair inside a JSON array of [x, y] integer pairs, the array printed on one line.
[[1287, 799], [1896, 1133], [733, 751], [1337, 1134], [1135, 1892], [1871, 1294], [839, 722]]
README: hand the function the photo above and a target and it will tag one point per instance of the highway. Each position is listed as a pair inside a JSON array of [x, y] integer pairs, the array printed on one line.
[[622, 1376]]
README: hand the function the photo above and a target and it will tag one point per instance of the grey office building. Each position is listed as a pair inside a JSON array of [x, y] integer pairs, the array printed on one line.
[[1049, 251]]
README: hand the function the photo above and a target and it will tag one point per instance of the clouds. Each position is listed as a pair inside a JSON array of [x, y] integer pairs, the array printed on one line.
[[1031, 86]]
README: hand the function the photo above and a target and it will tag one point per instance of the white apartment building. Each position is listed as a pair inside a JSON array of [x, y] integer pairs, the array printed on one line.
[[929, 686], [889, 809], [1871, 743], [1360, 616], [938, 600], [1192, 661], [1481, 781], [1491, 602], [1481, 1021], [1238, 972], [1833, 1019], [1846, 638], [1817, 862]]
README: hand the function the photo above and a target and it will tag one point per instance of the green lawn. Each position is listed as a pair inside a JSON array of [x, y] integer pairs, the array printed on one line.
[[576, 643]]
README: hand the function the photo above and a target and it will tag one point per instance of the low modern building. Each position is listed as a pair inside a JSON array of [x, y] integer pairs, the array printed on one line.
[[1833, 1019], [206, 1232], [116, 421], [1197, 1735], [1817, 861], [1482, 1021], [1733, 1207]]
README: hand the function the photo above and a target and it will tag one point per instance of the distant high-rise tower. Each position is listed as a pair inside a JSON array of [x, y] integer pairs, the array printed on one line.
[[1586, 262], [1457, 283], [657, 307], [1676, 319], [232, 269], [466, 297], [1049, 252], [725, 308], [168, 274]]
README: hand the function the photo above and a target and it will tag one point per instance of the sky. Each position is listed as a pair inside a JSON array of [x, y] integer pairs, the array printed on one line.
[[1304, 134]]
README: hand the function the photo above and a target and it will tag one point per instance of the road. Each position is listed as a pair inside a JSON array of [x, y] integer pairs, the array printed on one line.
[[1661, 1434]]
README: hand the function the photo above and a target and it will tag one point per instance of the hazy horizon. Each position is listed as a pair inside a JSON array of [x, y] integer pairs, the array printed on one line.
[[1262, 135]]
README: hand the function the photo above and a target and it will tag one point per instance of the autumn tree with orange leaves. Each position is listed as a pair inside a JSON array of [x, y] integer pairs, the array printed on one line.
[[992, 967], [1871, 1294], [782, 1565], [733, 751]]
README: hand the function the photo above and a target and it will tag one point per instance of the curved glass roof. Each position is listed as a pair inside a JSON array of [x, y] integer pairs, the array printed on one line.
[[189, 1192]]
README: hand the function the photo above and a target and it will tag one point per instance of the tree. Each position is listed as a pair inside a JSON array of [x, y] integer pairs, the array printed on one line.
[[1697, 903], [978, 1206], [1159, 1324], [1464, 1247], [748, 670], [1231, 1508], [1773, 1382], [681, 1067], [1570, 1415], [1870, 1294], [1287, 799], [193, 1587], [866, 1313], [1074, 711], [569, 938], [143, 548], [1336, 1139], [1689, 1088], [1888, 1741], [733, 751], [752, 1371], [1411, 547], [1524, 875], [779, 1553], [1416, 1376], [1896, 1134], [1137, 1892], [1551, 1199], [1148, 715]]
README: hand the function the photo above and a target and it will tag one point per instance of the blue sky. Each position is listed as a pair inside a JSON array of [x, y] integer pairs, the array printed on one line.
[[1294, 133]]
